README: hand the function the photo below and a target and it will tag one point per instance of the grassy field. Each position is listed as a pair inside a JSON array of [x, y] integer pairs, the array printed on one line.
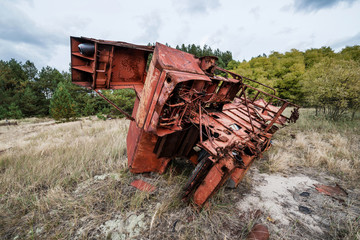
[[318, 143], [70, 181]]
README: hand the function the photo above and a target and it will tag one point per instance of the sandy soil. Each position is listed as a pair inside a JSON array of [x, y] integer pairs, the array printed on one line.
[[293, 207]]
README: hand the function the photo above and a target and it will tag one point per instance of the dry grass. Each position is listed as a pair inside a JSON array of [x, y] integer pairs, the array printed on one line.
[[317, 143], [38, 177], [64, 181], [70, 180]]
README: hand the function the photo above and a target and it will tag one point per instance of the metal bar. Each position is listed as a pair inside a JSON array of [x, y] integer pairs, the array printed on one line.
[[110, 68], [94, 75], [182, 115], [267, 104], [242, 77], [258, 114], [200, 123], [256, 96], [269, 110], [242, 125], [227, 128], [277, 116], [242, 90], [268, 94], [115, 106], [237, 115], [247, 107]]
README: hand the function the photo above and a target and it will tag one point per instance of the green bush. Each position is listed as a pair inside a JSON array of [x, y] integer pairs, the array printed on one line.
[[62, 106]]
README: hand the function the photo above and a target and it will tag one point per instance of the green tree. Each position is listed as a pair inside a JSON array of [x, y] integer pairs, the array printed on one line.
[[62, 106], [3, 112], [30, 70], [48, 80], [333, 85], [29, 103], [351, 53], [315, 55], [12, 81], [14, 112], [123, 98]]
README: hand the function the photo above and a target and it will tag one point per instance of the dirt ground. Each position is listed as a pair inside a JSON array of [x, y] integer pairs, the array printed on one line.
[[286, 202]]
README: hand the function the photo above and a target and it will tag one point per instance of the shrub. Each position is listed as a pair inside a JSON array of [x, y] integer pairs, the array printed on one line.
[[62, 106]]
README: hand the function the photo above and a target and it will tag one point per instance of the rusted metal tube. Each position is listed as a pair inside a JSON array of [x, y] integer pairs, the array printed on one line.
[[115, 106]]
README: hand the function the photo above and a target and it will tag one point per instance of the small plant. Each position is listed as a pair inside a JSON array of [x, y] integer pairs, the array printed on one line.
[[101, 116]]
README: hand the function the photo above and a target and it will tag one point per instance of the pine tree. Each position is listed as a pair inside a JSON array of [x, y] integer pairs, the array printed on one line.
[[62, 106], [14, 111]]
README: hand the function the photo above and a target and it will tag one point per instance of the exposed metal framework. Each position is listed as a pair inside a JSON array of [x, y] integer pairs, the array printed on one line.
[[185, 107]]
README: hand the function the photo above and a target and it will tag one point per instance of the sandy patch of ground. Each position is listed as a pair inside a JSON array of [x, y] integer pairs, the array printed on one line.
[[118, 228], [292, 204], [275, 194]]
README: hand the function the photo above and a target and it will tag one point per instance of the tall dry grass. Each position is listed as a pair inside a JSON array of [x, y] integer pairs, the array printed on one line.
[[63, 181], [317, 143], [39, 176]]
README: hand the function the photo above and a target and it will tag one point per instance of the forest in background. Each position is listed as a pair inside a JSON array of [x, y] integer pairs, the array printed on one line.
[[318, 78]]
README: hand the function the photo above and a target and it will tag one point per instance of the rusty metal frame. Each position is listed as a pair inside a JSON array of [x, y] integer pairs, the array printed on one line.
[[183, 106]]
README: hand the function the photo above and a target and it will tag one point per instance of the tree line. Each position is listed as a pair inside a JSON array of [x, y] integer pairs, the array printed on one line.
[[27, 92], [319, 78]]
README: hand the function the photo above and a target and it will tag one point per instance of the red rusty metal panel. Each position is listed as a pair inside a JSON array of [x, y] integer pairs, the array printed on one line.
[[111, 65], [130, 65], [173, 59], [152, 80], [331, 190], [213, 180], [143, 158], [143, 186], [178, 77], [149, 49], [183, 109]]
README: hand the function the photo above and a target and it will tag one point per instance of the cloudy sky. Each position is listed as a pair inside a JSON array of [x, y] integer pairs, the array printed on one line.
[[39, 30]]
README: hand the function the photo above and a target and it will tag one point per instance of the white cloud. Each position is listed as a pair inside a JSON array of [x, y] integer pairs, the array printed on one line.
[[39, 30], [196, 6], [315, 5]]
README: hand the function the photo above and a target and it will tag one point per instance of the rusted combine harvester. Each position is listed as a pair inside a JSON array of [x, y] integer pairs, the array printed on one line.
[[184, 108]]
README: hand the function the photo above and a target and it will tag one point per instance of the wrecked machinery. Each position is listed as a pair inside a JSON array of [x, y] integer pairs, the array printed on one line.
[[185, 107]]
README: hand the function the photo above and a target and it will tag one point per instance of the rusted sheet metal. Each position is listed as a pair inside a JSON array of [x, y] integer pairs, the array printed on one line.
[[173, 59], [184, 108], [331, 190], [108, 64], [143, 186]]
